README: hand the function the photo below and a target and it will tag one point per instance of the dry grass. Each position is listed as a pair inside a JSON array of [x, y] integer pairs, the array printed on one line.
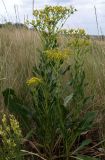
[[18, 50], [95, 69]]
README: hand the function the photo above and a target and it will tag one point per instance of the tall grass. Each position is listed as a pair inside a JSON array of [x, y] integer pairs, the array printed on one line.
[[95, 69], [18, 54]]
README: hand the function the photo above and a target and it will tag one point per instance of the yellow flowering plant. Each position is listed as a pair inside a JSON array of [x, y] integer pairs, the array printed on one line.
[[46, 97], [55, 112], [81, 35], [77, 38], [49, 21], [46, 19], [11, 138]]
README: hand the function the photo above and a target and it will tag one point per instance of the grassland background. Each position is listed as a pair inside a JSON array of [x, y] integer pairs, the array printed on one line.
[[18, 50]]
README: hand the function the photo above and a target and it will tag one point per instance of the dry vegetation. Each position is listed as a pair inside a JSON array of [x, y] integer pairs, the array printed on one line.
[[18, 50]]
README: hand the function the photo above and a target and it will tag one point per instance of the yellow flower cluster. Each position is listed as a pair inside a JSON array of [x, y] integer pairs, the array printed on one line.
[[54, 9], [79, 42], [47, 18], [77, 37], [11, 134], [79, 31], [57, 54], [15, 126], [34, 81], [60, 9]]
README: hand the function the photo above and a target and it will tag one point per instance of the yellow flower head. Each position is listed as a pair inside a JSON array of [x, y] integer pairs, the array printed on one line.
[[34, 80], [57, 54]]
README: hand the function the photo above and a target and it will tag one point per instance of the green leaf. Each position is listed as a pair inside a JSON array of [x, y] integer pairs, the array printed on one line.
[[15, 106], [87, 122], [68, 99], [84, 143]]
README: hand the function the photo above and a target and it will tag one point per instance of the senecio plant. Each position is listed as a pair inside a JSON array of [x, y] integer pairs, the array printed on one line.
[[57, 118]]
